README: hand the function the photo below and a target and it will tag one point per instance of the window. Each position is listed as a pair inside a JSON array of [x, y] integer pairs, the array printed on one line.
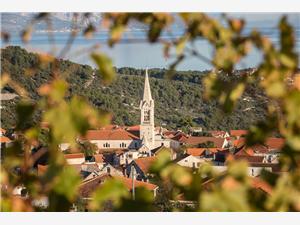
[[123, 145], [147, 116]]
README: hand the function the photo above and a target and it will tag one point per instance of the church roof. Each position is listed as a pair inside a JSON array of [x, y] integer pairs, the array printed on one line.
[[117, 134]]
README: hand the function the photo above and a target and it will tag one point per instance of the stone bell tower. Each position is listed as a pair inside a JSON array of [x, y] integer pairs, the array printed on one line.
[[147, 116]]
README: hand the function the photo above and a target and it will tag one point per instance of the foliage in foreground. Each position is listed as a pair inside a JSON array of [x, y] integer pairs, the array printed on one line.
[[230, 191]]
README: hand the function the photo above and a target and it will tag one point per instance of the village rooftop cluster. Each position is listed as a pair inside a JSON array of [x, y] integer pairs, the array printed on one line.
[[127, 152]]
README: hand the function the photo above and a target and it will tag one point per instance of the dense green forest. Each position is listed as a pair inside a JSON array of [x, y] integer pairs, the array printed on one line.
[[179, 102]]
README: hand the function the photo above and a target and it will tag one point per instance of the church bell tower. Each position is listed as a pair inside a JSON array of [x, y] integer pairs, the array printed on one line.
[[147, 116]]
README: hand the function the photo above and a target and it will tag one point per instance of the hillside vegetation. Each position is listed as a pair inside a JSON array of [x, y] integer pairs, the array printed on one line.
[[179, 102]]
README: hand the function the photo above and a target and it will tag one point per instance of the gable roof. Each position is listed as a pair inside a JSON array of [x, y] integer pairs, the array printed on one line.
[[195, 151], [239, 142], [245, 151], [86, 188], [194, 140], [181, 137], [145, 163], [115, 134]]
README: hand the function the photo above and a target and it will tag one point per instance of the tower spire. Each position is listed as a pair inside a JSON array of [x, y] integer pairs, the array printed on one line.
[[147, 91]]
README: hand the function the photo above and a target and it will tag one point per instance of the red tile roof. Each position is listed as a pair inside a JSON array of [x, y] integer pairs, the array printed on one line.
[[193, 140], [239, 142], [238, 132], [217, 133], [88, 187], [4, 139], [245, 151], [128, 183], [200, 151], [74, 156], [180, 137], [145, 163], [258, 183], [134, 128], [255, 182], [275, 143], [117, 134]]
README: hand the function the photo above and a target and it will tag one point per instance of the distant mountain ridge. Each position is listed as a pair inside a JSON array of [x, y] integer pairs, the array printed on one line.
[[178, 103]]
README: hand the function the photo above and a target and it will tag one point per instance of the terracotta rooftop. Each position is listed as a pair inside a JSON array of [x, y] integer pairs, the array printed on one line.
[[134, 128], [128, 183], [88, 187], [74, 156], [194, 140], [238, 132], [275, 143], [258, 183], [116, 134], [239, 142], [145, 163], [245, 151], [181, 137], [217, 133], [201, 151], [4, 139]]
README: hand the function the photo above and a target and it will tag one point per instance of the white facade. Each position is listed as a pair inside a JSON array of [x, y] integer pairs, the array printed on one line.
[[128, 156], [191, 161], [116, 144], [253, 171], [76, 161]]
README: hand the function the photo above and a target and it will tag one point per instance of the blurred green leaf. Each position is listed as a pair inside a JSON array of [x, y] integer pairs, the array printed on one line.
[[105, 67]]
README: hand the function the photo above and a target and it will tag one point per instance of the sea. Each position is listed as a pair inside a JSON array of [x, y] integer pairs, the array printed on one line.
[[134, 51]]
